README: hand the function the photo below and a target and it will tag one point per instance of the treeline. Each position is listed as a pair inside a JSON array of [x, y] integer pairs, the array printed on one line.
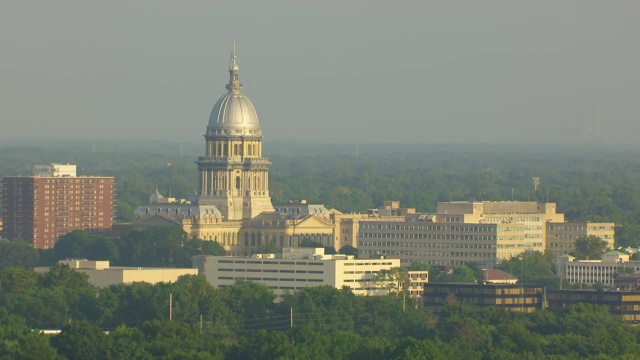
[[243, 322], [152, 247], [587, 183]]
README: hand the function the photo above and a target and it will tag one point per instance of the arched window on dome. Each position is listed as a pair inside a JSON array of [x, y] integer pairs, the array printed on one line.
[[235, 150]]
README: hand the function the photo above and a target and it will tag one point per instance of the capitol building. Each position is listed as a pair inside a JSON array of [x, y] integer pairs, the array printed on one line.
[[233, 205]]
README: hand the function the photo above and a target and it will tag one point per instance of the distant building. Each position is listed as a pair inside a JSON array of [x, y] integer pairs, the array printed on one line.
[[627, 282], [463, 232], [417, 281], [496, 276], [520, 298], [589, 272], [561, 237], [532, 215], [102, 275], [298, 268], [441, 244], [348, 226], [623, 303], [53, 202]]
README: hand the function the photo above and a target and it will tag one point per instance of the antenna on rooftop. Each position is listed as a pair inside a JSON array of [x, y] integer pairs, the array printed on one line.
[[536, 182]]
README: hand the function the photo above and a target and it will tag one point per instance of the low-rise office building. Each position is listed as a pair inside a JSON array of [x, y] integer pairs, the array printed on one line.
[[520, 298], [417, 280], [623, 303], [296, 268], [101, 274], [462, 232], [561, 237], [591, 272], [441, 244]]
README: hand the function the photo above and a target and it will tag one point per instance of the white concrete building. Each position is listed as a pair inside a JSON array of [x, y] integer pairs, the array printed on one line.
[[296, 268], [594, 271], [102, 275]]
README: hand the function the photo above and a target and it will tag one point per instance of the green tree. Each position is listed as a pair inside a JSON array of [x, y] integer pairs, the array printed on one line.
[[81, 340], [250, 301], [628, 235], [532, 267], [124, 212], [349, 250], [418, 266], [329, 250], [589, 248], [461, 274], [75, 245], [19, 341], [395, 280], [17, 252], [127, 343]]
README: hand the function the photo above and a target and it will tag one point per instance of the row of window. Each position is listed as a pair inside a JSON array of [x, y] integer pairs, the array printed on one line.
[[268, 279], [267, 262], [519, 219], [274, 271], [367, 263], [377, 244], [427, 236], [427, 253], [475, 227]]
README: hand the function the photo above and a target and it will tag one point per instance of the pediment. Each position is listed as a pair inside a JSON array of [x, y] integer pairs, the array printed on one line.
[[155, 220], [311, 221]]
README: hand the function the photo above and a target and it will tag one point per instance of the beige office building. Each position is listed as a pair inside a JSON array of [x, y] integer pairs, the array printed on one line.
[[561, 237], [296, 268], [441, 244], [463, 232], [532, 215], [101, 274]]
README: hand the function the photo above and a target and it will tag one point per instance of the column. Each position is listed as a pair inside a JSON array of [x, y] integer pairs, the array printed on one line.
[[211, 182]]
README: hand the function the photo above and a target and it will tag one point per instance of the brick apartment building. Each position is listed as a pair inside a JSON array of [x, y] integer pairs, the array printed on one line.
[[53, 202]]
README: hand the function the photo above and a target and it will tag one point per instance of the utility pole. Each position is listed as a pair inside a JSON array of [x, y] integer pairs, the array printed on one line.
[[170, 306], [200, 324], [293, 340], [291, 317], [404, 301]]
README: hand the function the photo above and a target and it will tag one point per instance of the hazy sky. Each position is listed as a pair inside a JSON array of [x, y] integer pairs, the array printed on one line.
[[372, 71]]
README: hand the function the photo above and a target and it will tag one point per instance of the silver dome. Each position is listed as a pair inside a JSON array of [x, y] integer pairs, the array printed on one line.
[[234, 111], [155, 197]]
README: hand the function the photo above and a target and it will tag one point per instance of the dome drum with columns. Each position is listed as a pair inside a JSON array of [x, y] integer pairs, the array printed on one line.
[[233, 175]]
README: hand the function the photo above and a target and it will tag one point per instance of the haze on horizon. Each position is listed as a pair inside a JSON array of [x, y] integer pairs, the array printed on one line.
[[331, 71]]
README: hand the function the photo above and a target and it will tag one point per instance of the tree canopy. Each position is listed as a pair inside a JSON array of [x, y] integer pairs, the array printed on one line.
[[243, 322], [589, 248], [153, 247]]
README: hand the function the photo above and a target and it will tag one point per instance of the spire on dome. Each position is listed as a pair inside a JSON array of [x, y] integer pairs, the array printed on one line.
[[234, 72]]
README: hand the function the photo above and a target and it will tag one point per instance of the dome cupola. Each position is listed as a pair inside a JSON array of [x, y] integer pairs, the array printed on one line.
[[233, 113]]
